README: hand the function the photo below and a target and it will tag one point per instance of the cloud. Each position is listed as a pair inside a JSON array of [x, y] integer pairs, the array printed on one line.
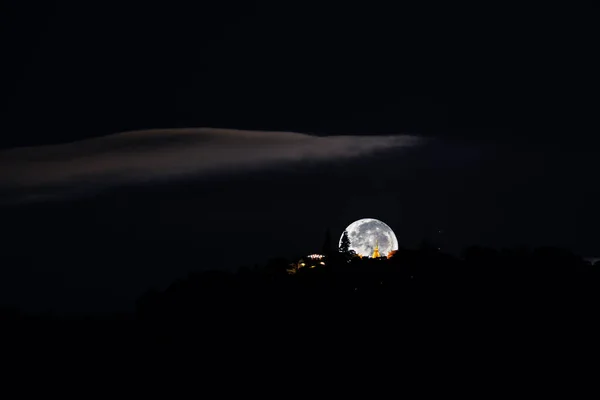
[[151, 155]]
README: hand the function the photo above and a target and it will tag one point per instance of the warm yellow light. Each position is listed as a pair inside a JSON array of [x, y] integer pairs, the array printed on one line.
[[322, 263]]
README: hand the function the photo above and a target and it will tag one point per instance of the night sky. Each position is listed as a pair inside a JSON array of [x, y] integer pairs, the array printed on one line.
[[480, 122]]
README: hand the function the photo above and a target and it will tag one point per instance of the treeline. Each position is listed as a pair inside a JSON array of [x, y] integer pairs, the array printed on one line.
[[412, 282], [416, 300]]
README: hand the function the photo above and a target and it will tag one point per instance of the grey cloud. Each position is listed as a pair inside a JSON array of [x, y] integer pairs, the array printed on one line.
[[140, 156]]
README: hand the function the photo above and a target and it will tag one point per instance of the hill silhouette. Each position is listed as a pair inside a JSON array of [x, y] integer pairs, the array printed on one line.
[[416, 292], [416, 314]]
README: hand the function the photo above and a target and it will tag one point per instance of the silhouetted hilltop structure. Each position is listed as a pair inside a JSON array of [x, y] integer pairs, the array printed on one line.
[[417, 305], [426, 278]]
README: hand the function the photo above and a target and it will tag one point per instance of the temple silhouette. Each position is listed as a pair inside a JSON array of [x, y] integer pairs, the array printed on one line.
[[376, 251]]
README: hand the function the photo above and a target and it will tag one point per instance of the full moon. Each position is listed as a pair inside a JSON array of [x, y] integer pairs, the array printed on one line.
[[366, 233]]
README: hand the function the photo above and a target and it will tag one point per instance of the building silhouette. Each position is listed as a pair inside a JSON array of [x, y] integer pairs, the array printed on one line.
[[376, 251]]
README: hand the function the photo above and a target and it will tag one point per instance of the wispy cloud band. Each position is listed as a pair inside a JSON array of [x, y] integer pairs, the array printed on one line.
[[141, 156]]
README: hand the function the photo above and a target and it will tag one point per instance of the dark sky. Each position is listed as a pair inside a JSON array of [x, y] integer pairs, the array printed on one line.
[[76, 70], [504, 98]]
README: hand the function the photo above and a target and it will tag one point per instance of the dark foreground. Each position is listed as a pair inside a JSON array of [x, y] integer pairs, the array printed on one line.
[[423, 324], [460, 321]]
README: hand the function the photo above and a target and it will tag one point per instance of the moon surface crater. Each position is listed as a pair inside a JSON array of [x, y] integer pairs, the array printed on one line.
[[366, 233]]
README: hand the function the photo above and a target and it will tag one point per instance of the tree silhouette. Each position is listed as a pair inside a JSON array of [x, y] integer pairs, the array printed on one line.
[[345, 243], [326, 248], [345, 247]]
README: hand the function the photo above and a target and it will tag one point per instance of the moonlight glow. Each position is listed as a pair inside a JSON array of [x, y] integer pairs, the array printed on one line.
[[366, 233]]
